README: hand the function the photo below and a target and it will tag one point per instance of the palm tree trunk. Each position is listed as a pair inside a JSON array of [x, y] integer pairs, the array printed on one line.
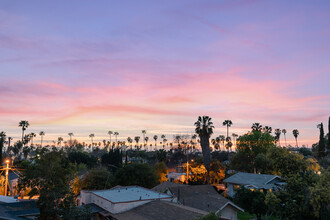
[[41, 141], [205, 144], [285, 140], [296, 142]]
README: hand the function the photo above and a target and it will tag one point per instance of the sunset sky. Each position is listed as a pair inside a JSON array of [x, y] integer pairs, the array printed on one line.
[[93, 66]]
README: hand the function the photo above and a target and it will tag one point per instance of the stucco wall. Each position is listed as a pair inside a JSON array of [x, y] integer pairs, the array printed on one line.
[[229, 212]]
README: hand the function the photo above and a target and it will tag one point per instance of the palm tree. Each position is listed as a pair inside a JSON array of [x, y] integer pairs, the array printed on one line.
[[24, 125], [295, 133], [268, 129], [130, 140], [92, 136], [278, 135], [227, 123], [9, 139], [204, 128], [163, 137], [222, 140], [146, 139], [137, 139], [41, 133], [59, 141], [144, 132], [116, 135], [256, 127], [70, 134], [110, 133], [155, 138], [32, 135], [284, 132], [235, 138]]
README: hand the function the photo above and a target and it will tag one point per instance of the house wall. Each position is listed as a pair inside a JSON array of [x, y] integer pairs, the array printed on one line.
[[229, 212], [87, 197]]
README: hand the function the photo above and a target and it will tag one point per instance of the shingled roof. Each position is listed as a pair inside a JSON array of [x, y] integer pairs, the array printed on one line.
[[164, 186], [256, 180], [203, 197], [160, 210]]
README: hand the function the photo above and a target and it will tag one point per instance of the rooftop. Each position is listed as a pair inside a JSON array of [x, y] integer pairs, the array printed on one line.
[[160, 210], [257, 180], [129, 193]]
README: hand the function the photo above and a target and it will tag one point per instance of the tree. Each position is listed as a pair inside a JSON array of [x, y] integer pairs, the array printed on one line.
[[59, 141], [2, 142], [284, 133], [32, 135], [136, 174], [155, 138], [77, 157], [161, 155], [144, 132], [113, 159], [295, 133], [110, 133], [137, 139], [49, 177], [91, 137], [227, 123], [251, 201], [42, 134], [321, 148], [278, 135], [70, 135], [204, 128], [97, 179], [116, 135], [249, 146], [268, 129], [24, 125], [161, 171], [130, 140], [256, 127], [328, 145]]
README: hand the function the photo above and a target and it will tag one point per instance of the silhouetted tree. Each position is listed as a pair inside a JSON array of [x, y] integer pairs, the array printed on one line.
[[256, 127], [204, 128], [227, 123], [295, 133], [321, 149], [24, 125]]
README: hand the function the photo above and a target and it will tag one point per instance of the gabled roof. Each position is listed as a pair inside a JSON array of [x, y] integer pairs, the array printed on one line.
[[18, 210], [255, 180], [203, 197], [160, 210], [164, 186]]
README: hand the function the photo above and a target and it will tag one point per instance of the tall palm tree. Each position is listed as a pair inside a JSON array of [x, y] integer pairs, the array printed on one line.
[[284, 132], [116, 135], [32, 135], [144, 132], [155, 138], [234, 138], [256, 127], [92, 136], [146, 142], [130, 140], [295, 133], [268, 129], [137, 139], [110, 133], [222, 140], [227, 123], [41, 133], [59, 141], [163, 137], [8, 148], [204, 128], [70, 135], [24, 125], [278, 135]]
